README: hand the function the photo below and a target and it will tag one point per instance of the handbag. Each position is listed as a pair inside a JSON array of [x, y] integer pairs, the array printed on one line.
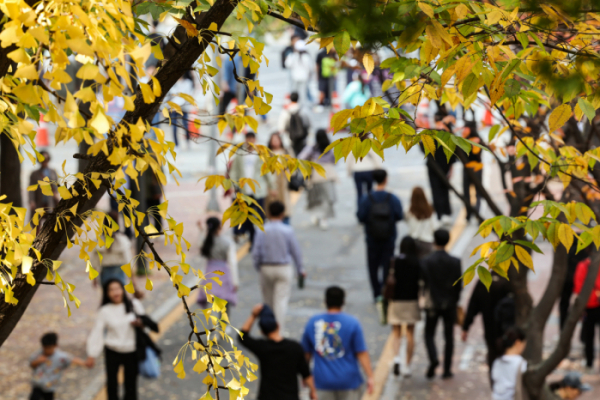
[[296, 181], [150, 367], [390, 282], [146, 350]]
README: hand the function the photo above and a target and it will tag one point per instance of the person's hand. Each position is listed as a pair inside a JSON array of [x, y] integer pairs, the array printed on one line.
[[257, 309], [273, 193], [137, 323], [90, 362], [313, 394], [235, 289], [42, 359], [464, 336], [370, 385], [303, 273]]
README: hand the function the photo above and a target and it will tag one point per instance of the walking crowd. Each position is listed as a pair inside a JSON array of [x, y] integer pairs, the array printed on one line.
[[419, 282]]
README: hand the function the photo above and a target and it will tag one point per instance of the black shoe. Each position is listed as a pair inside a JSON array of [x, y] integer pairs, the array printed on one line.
[[431, 370], [448, 375], [396, 369]]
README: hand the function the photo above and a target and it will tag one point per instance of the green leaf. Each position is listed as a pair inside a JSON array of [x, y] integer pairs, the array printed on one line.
[[587, 108], [530, 245], [470, 85], [512, 88], [484, 276], [342, 43], [493, 132], [504, 252]]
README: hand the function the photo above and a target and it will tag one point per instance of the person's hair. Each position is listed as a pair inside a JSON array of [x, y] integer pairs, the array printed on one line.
[[49, 339], [472, 125], [419, 206], [46, 155], [276, 209], [441, 237], [213, 224], [554, 386], [294, 97], [334, 297], [379, 176], [510, 337], [106, 299], [408, 246], [322, 140], [275, 135], [250, 135]]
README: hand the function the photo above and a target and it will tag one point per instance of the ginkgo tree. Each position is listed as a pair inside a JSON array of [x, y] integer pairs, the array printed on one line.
[[534, 65]]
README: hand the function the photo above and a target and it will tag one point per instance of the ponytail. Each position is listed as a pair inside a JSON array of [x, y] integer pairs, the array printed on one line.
[[213, 224]]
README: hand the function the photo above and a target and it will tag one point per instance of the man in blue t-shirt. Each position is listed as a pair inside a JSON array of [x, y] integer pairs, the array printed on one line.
[[336, 342]]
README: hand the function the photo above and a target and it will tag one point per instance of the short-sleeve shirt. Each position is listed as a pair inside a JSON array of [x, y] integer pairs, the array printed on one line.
[[334, 340], [47, 374], [280, 364]]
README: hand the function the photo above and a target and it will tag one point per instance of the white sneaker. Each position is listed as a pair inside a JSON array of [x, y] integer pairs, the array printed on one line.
[[323, 224], [314, 220], [446, 220], [407, 371]]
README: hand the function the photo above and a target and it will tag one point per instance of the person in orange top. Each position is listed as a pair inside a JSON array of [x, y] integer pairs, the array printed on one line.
[[592, 310]]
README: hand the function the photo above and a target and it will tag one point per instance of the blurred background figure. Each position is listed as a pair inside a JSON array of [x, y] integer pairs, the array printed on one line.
[[326, 74], [357, 92], [421, 224], [301, 70], [280, 190], [36, 198], [294, 123], [362, 172], [570, 387], [321, 191]]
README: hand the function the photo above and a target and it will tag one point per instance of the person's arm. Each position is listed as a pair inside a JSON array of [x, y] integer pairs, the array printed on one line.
[[282, 122], [247, 340], [363, 209], [37, 361], [310, 382], [79, 362], [473, 309], [457, 274], [295, 252], [365, 363], [95, 342], [257, 255]]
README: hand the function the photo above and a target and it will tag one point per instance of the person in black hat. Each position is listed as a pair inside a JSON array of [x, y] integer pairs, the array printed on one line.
[[281, 360], [570, 387]]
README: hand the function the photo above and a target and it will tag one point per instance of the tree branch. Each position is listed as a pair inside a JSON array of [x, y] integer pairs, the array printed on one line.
[[291, 21]]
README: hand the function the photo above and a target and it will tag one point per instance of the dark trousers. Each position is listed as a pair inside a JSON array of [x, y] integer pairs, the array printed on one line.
[[440, 194], [565, 301], [591, 320], [227, 97], [379, 255], [363, 180], [467, 190], [448, 317], [113, 361], [177, 119], [247, 226], [39, 394]]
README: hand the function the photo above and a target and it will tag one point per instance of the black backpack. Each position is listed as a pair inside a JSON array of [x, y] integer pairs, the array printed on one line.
[[380, 222], [296, 128]]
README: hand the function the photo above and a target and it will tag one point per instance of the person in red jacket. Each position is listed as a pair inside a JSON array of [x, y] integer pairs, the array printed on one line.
[[592, 310]]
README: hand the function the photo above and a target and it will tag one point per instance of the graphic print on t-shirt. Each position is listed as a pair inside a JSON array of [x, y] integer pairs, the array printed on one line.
[[328, 343]]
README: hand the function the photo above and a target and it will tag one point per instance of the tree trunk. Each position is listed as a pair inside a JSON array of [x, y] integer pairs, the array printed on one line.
[[50, 243], [10, 172]]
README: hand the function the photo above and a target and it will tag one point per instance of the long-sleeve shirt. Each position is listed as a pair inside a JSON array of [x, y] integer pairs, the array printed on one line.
[[580, 276], [277, 245], [113, 329], [441, 271]]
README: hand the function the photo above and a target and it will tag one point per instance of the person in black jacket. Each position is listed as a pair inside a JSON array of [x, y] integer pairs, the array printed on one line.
[[441, 271], [485, 302], [404, 305]]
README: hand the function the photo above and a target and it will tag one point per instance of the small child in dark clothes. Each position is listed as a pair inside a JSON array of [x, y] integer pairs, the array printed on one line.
[[48, 365]]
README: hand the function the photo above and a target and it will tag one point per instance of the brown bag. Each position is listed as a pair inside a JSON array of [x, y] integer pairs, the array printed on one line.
[[390, 282], [460, 316]]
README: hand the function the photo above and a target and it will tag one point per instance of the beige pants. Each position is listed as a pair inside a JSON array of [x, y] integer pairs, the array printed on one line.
[[353, 394], [276, 285]]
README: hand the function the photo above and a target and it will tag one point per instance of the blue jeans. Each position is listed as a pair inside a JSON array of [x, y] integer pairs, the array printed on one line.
[[363, 179], [379, 255]]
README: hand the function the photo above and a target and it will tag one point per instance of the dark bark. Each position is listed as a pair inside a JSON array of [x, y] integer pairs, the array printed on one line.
[[10, 172], [479, 185], [536, 375], [50, 243]]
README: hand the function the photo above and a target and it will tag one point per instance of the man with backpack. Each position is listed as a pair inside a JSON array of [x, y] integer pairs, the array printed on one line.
[[379, 211], [293, 122]]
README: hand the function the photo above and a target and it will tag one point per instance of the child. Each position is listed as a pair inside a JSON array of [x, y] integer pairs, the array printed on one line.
[[48, 365], [507, 370]]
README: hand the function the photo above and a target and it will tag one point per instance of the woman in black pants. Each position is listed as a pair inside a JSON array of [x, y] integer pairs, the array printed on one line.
[[114, 332]]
